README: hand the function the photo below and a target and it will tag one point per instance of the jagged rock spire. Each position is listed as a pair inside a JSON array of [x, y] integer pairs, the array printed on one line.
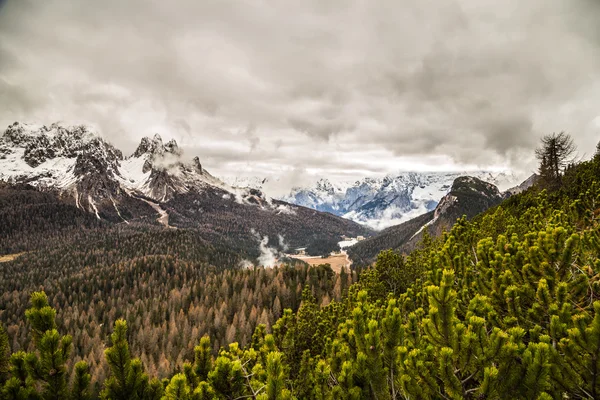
[[155, 147], [197, 165]]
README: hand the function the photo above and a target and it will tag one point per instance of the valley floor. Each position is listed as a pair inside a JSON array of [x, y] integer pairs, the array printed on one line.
[[337, 261], [10, 257]]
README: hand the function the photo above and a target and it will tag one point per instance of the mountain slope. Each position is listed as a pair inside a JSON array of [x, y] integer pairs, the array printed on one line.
[[79, 169], [523, 186], [224, 219], [29, 218], [157, 171], [468, 196]]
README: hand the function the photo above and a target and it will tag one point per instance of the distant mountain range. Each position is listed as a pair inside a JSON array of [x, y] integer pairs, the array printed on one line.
[[382, 202], [468, 196], [79, 169]]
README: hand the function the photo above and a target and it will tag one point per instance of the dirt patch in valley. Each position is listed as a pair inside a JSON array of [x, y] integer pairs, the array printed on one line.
[[337, 261], [10, 257]]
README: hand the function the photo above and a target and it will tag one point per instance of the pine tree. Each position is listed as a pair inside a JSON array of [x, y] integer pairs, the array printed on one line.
[[20, 386], [154, 390], [581, 357], [4, 356], [203, 359], [275, 386], [395, 274], [117, 387], [204, 391], [320, 390], [305, 383], [393, 337], [48, 366], [81, 382], [178, 389], [127, 380], [555, 154], [359, 365], [227, 378]]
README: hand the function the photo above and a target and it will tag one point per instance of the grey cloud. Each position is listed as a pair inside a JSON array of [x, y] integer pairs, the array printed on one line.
[[183, 124], [508, 132], [322, 128], [17, 100], [269, 81]]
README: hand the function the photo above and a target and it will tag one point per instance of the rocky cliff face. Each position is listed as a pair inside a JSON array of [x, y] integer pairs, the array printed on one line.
[[71, 160], [468, 196]]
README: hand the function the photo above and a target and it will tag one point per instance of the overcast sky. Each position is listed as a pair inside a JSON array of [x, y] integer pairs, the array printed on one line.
[[335, 88]]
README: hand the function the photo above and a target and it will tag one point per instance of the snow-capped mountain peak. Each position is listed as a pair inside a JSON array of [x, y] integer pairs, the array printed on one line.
[[159, 170], [379, 202], [54, 156], [325, 186], [78, 163], [390, 200], [151, 147]]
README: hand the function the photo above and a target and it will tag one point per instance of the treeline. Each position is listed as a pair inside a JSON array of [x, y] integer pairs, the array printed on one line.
[[323, 247]]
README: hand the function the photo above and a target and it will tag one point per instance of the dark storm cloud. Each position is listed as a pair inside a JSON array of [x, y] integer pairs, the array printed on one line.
[[346, 85]]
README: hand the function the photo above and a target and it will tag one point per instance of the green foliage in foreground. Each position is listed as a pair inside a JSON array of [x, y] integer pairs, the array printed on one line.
[[506, 306]]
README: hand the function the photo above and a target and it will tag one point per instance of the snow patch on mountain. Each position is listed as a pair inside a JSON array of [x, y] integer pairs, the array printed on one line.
[[53, 172]]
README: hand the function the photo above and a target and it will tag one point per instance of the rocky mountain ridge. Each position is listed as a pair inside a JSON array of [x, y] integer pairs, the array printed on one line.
[[78, 163], [386, 201]]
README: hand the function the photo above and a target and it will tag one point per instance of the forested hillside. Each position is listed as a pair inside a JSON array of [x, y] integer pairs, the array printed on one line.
[[29, 218], [395, 237], [506, 305], [170, 285], [236, 225]]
